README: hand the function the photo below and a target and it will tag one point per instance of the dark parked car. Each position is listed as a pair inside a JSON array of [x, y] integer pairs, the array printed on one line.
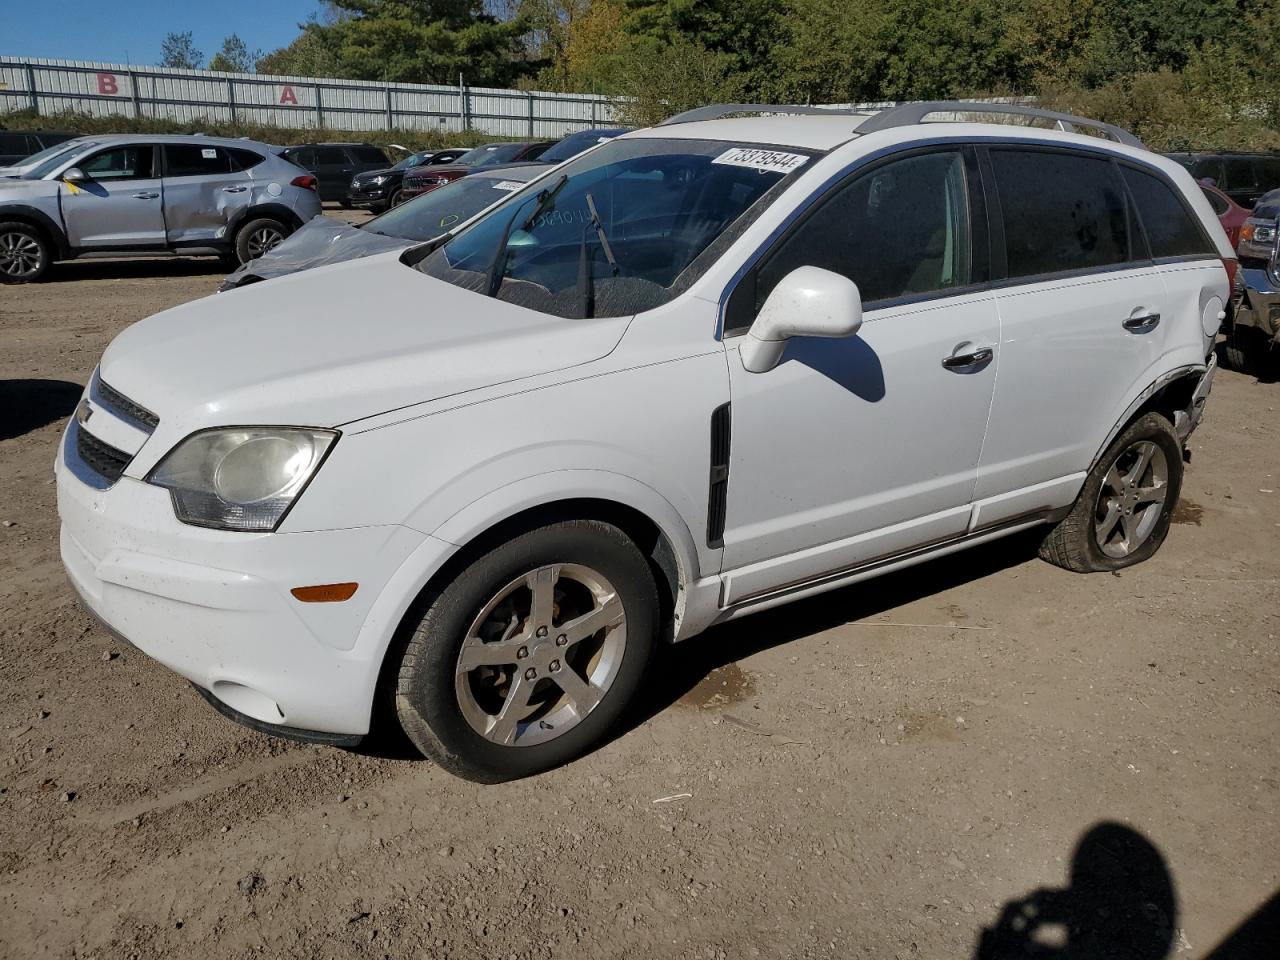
[[576, 143], [17, 145], [1253, 326], [380, 189], [1244, 177], [419, 180], [334, 164]]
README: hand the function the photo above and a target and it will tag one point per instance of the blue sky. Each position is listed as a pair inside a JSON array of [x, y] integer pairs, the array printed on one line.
[[132, 30]]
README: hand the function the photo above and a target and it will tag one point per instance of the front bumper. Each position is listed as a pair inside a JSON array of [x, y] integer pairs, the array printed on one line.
[[1260, 306], [370, 194], [215, 607]]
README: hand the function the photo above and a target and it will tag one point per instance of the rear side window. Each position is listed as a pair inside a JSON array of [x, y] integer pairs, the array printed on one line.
[[303, 157], [15, 143], [244, 159], [331, 156], [1217, 201], [370, 155], [1210, 167], [898, 230], [194, 160], [1062, 212], [1172, 230], [119, 163], [1268, 174]]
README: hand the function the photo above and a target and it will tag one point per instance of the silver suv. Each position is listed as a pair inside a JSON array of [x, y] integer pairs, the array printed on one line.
[[116, 195]]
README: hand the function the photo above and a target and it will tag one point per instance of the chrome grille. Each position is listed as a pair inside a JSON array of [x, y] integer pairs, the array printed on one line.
[[124, 408], [102, 458]]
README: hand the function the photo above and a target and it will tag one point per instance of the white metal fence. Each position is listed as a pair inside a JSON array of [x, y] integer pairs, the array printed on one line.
[[105, 89]]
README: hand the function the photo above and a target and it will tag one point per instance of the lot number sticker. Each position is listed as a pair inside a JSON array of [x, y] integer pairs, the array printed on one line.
[[766, 161], [209, 154], [508, 185]]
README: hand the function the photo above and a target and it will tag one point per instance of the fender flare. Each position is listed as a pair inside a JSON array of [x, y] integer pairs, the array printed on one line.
[[277, 210], [20, 211], [1144, 395], [547, 489]]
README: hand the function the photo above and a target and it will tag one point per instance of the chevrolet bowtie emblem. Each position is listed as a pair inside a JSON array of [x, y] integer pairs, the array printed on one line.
[[83, 412]]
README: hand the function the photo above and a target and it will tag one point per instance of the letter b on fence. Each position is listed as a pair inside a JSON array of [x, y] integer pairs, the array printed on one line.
[[108, 84]]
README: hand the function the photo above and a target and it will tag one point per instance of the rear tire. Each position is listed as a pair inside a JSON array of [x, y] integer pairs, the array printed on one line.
[[259, 236], [1239, 349], [530, 654], [1123, 513], [25, 252]]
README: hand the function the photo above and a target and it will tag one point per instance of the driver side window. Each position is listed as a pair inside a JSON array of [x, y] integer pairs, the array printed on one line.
[[901, 229], [119, 163]]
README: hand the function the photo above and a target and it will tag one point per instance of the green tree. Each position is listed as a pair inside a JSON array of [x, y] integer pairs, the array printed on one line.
[[234, 57], [179, 50], [313, 53]]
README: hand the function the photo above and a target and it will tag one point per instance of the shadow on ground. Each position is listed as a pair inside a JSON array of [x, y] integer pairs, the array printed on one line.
[[27, 405], [154, 268], [1120, 904]]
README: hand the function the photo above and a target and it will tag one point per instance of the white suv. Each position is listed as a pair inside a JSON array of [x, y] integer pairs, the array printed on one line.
[[701, 370]]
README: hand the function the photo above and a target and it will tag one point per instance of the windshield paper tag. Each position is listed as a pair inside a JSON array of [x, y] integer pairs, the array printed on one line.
[[508, 185], [766, 161], [208, 154]]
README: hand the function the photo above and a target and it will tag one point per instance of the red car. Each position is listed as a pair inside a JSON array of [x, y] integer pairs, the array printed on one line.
[[1230, 214], [419, 180]]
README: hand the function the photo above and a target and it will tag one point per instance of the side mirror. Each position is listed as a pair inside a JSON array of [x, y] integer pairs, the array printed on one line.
[[73, 175], [807, 302]]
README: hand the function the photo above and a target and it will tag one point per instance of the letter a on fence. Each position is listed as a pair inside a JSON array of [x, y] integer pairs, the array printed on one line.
[[288, 96]]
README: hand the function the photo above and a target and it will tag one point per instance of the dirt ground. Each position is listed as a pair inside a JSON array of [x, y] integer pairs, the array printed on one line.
[[881, 772]]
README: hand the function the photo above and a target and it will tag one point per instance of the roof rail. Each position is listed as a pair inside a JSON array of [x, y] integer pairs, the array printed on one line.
[[716, 111], [912, 113]]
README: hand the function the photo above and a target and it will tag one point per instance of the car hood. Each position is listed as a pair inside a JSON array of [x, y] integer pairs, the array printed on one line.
[[12, 190], [369, 174], [318, 242], [338, 344]]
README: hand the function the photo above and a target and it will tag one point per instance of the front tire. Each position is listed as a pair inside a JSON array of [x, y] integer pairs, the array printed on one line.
[[531, 653], [25, 253], [1123, 513], [395, 199], [259, 236]]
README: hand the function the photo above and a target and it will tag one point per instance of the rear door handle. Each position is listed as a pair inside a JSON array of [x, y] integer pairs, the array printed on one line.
[[964, 362], [146, 195], [1143, 323], [234, 189]]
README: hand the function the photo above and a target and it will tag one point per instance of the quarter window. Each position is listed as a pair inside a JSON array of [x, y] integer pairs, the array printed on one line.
[[244, 159], [1062, 212], [194, 160], [120, 163], [1172, 230], [899, 230]]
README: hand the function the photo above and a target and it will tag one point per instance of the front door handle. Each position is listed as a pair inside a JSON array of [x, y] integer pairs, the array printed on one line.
[[234, 189], [145, 195], [964, 362], [1143, 323]]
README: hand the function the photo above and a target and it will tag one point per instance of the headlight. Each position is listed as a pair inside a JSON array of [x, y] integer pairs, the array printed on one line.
[[241, 478], [378, 180], [1258, 231]]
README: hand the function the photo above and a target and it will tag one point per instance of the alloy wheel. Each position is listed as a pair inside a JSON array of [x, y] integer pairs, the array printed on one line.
[[20, 255], [1133, 497], [262, 240], [541, 654]]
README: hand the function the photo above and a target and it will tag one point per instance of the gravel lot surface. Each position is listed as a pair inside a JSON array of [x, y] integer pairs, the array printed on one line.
[[880, 772]]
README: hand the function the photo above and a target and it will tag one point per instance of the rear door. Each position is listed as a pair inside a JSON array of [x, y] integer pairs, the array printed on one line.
[[334, 169], [204, 191], [1241, 180], [1080, 319], [121, 202]]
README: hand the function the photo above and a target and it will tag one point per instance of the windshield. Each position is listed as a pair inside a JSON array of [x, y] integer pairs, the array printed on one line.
[[48, 159], [493, 153], [411, 161], [658, 206], [575, 143], [439, 211]]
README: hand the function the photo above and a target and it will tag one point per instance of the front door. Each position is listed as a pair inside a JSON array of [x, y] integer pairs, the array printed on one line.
[[204, 191], [858, 449], [334, 169], [120, 204]]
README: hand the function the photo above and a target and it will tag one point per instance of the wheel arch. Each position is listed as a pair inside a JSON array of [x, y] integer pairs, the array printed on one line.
[[279, 211], [1168, 395], [22, 213]]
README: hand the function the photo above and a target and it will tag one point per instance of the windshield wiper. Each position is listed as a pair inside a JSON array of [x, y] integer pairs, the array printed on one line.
[[586, 278], [497, 266]]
